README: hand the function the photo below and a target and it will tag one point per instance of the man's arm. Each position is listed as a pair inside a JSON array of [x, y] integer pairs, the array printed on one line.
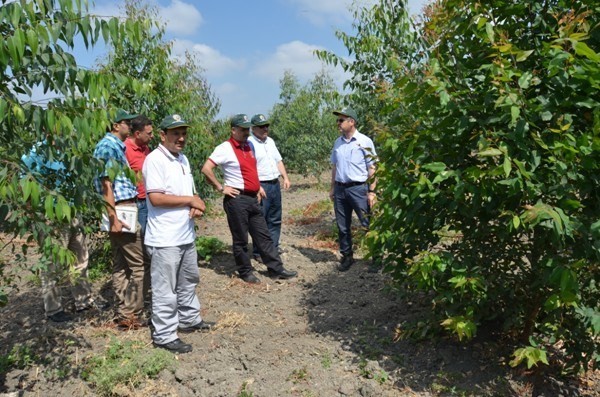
[[116, 226], [372, 196], [171, 201], [208, 171], [282, 171], [332, 188]]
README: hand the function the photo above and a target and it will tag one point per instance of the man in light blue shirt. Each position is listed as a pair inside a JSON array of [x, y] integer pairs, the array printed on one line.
[[352, 185]]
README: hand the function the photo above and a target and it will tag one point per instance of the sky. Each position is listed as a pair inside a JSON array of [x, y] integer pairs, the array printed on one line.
[[245, 46]]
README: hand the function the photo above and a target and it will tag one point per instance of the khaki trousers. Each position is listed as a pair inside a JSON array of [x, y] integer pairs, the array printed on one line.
[[129, 273], [74, 239]]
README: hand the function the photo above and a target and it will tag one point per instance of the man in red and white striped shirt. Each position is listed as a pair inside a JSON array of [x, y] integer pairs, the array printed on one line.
[[242, 191]]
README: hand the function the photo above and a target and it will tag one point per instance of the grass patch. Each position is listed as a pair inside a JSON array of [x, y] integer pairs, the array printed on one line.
[[208, 247], [19, 357], [299, 375], [326, 360], [125, 364]]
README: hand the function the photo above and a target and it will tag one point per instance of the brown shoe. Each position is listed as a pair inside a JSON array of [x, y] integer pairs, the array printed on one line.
[[131, 323]]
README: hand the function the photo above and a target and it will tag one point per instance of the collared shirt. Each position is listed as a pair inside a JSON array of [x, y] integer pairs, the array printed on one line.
[[267, 157], [353, 158], [51, 170], [112, 150], [238, 163], [165, 173], [135, 156]]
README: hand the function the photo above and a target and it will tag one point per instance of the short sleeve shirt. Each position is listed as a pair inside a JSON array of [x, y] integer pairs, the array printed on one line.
[[165, 173], [135, 156], [353, 158], [112, 150], [238, 163], [267, 157]]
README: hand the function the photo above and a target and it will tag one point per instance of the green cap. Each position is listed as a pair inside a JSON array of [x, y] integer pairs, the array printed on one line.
[[172, 121], [259, 120], [347, 111], [241, 120], [123, 115]]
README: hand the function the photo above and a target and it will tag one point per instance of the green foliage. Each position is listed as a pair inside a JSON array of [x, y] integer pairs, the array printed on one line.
[[100, 262], [38, 39], [125, 363], [20, 356], [166, 86], [490, 130], [302, 124], [207, 247]]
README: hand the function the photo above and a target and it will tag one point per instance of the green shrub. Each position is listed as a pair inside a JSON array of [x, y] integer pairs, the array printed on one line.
[[207, 247], [125, 363], [490, 131]]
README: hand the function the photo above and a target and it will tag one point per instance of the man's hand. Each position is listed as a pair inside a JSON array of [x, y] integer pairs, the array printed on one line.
[[195, 213], [117, 226], [230, 191], [372, 199], [261, 194], [198, 203], [286, 184]]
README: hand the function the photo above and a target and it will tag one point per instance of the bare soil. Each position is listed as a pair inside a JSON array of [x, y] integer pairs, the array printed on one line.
[[324, 333]]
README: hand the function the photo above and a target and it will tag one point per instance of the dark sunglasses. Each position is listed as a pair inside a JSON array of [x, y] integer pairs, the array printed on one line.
[[341, 120]]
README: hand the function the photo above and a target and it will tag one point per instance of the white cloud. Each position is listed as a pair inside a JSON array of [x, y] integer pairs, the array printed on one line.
[[226, 88], [181, 18], [211, 60], [295, 56]]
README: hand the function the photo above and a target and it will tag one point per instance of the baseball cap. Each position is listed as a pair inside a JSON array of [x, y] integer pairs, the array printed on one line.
[[172, 121], [123, 115], [259, 120], [348, 112], [241, 120]]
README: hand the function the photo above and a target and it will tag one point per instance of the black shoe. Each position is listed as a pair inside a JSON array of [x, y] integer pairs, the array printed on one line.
[[257, 258], [250, 278], [283, 274], [345, 263], [201, 326], [176, 346], [60, 317]]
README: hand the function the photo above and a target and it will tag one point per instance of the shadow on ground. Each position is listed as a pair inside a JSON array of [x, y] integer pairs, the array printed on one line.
[[356, 308]]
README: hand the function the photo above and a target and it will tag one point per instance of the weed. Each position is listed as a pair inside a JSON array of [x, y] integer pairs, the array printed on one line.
[[326, 361], [19, 357], [244, 392], [381, 377], [100, 258], [207, 247], [299, 375], [125, 364]]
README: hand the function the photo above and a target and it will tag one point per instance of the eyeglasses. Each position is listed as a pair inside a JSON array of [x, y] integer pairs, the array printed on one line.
[[263, 126], [341, 120]]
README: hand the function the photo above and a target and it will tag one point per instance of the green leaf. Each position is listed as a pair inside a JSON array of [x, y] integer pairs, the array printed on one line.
[[49, 206], [582, 49], [489, 152], [435, 167], [516, 221], [489, 29]]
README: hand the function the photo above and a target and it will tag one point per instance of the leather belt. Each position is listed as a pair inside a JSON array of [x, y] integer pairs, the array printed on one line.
[[349, 184], [248, 193], [272, 181], [128, 201]]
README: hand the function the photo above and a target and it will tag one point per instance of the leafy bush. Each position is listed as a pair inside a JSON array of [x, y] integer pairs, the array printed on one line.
[[207, 247], [491, 134]]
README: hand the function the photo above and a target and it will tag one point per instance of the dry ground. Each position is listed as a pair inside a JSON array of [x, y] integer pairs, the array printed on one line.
[[323, 334]]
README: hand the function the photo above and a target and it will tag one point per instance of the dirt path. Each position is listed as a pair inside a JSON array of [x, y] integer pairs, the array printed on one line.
[[323, 334]]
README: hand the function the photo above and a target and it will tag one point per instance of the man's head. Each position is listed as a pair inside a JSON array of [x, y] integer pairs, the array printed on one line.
[[240, 127], [173, 133], [121, 125], [260, 126], [141, 130], [346, 119]]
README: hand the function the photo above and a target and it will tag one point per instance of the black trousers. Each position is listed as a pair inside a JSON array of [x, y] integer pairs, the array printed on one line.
[[244, 215]]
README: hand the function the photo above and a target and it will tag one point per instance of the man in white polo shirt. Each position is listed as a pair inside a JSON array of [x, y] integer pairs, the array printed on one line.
[[270, 168], [241, 190], [172, 206]]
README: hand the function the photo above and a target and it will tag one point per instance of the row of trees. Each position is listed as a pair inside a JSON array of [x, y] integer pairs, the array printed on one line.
[[488, 123], [36, 54]]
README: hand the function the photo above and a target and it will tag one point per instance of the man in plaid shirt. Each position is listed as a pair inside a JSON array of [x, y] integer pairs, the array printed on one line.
[[117, 189]]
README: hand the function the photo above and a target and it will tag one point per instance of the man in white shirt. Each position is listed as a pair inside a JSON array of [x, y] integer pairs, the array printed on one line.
[[172, 206], [270, 167]]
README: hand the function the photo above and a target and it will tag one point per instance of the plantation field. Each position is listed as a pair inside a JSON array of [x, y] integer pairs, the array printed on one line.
[[323, 334]]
